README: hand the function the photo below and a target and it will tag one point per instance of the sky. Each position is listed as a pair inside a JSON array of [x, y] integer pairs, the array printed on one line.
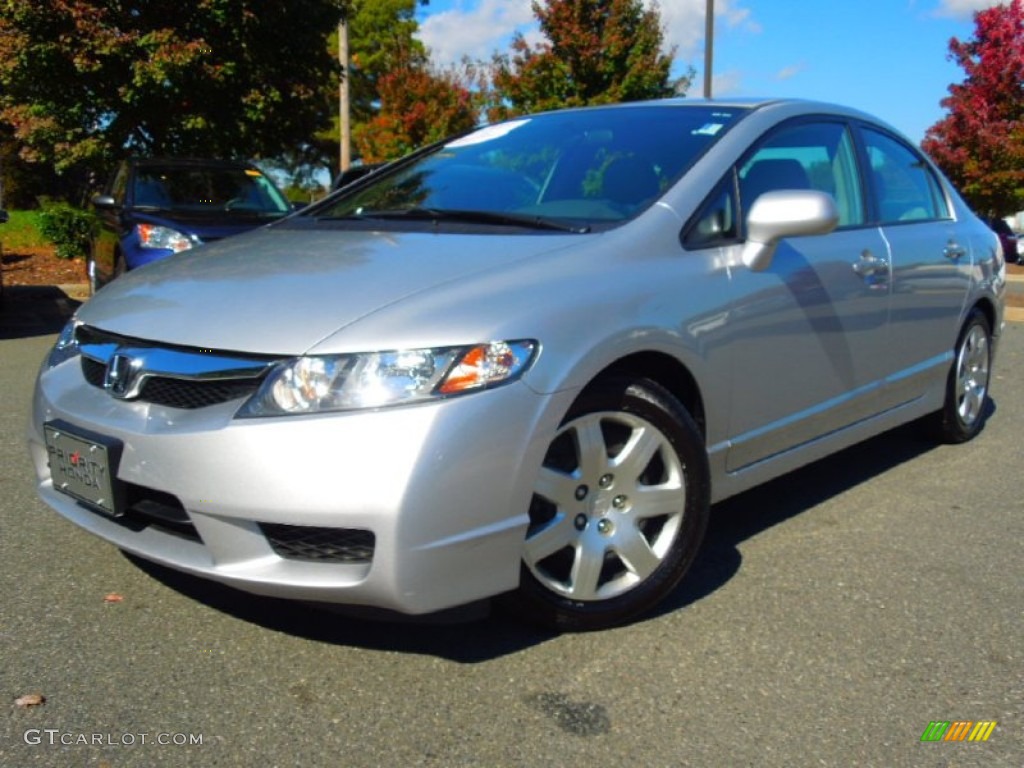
[[885, 57]]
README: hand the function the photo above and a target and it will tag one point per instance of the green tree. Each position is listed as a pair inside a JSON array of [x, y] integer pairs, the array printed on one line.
[[596, 51], [381, 40], [980, 142], [82, 81], [418, 105]]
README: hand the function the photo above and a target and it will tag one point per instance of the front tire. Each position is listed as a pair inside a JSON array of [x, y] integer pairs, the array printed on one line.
[[963, 412], [618, 511]]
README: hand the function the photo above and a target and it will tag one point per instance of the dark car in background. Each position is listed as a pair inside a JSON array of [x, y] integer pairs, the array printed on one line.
[[156, 207], [1007, 238]]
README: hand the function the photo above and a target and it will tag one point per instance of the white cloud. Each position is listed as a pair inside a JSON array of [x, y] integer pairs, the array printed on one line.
[[723, 84], [478, 28], [963, 8], [475, 29], [789, 72]]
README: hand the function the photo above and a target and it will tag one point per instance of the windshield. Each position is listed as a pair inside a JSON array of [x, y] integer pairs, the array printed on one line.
[[590, 167], [190, 189]]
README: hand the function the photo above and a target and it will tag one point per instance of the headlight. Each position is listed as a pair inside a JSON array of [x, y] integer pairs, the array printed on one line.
[[165, 238], [316, 384], [66, 346]]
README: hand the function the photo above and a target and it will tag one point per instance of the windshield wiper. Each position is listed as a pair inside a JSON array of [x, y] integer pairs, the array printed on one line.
[[474, 217]]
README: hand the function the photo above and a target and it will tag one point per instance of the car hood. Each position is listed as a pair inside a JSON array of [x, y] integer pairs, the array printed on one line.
[[281, 290]]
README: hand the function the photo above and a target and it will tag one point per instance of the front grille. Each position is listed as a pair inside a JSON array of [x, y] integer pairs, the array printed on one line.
[[93, 371], [178, 393], [174, 386], [321, 545]]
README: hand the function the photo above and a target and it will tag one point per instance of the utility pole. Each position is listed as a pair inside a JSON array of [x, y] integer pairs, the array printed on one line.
[[709, 45], [345, 120]]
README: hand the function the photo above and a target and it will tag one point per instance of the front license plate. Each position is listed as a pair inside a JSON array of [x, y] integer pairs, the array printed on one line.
[[82, 467]]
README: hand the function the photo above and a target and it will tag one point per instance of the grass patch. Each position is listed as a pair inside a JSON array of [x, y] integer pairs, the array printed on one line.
[[22, 231]]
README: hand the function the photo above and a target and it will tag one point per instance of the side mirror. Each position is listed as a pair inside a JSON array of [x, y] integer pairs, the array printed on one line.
[[4, 217], [785, 213], [104, 201]]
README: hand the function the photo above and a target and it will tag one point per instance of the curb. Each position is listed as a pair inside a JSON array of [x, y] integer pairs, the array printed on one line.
[[76, 291]]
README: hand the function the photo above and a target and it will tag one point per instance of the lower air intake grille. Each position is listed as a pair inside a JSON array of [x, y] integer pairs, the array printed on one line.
[[321, 545]]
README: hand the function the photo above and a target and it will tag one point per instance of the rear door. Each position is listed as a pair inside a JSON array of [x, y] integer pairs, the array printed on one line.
[[931, 263]]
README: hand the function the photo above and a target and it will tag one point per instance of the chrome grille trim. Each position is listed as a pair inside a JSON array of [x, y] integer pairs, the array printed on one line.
[[178, 377]]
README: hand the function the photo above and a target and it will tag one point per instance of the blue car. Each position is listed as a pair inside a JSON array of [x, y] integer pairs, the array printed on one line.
[[153, 208]]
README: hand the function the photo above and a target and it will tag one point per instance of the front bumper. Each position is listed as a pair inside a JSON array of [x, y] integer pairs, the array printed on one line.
[[441, 491]]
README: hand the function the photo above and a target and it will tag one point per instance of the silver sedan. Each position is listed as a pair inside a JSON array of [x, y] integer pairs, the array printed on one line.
[[526, 361]]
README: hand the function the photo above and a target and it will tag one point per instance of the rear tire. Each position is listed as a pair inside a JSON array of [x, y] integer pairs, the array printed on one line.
[[619, 509], [963, 412]]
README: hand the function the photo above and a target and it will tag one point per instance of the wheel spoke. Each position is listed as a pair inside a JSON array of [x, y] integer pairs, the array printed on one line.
[[593, 454], [586, 571], [557, 487], [556, 535], [637, 453], [657, 501], [635, 551]]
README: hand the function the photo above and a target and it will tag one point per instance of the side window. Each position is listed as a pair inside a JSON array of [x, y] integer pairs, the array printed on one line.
[[715, 223], [905, 187], [810, 155]]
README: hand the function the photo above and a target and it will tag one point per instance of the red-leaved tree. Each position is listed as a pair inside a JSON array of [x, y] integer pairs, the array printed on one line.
[[980, 143], [418, 105]]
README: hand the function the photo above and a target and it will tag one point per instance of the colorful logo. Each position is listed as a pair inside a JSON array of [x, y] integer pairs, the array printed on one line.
[[958, 730]]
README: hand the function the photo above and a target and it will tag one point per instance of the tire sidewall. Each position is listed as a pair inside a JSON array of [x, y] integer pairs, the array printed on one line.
[[953, 427]]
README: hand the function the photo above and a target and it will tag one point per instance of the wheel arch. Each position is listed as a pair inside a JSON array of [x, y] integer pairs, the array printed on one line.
[[988, 309], [668, 372]]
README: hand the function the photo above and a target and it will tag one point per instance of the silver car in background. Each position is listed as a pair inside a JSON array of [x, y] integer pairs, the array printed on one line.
[[526, 361]]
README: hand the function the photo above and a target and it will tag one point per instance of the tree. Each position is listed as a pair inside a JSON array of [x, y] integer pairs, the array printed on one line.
[[83, 81], [596, 51], [381, 39], [979, 144], [418, 105]]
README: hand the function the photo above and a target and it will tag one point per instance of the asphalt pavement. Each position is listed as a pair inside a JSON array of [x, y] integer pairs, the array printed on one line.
[[832, 617]]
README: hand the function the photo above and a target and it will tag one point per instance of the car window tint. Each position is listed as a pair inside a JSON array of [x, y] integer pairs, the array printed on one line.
[[904, 185], [807, 155]]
